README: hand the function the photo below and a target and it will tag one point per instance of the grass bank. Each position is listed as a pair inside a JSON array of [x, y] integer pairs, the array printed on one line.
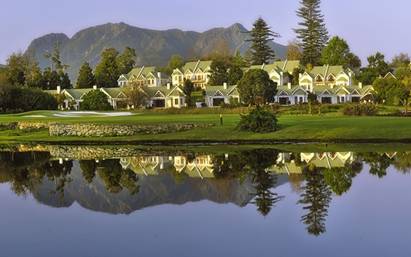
[[294, 128]]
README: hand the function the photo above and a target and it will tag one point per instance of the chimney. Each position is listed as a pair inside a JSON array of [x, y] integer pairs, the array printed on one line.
[[58, 90], [289, 85], [360, 85], [95, 87], [168, 86], [159, 78], [225, 86]]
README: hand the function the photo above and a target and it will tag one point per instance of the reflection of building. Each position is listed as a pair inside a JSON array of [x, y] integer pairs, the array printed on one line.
[[328, 160], [288, 163], [285, 164], [199, 167], [146, 165]]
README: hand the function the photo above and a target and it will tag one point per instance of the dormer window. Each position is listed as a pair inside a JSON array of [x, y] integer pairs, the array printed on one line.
[[331, 78], [319, 79]]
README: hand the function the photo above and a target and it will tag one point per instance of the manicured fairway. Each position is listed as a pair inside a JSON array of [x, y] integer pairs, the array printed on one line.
[[293, 128]]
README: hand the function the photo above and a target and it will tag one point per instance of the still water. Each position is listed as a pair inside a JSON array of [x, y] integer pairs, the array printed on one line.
[[258, 202]]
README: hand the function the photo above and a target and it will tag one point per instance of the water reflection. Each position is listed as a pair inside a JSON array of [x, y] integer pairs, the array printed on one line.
[[128, 184]]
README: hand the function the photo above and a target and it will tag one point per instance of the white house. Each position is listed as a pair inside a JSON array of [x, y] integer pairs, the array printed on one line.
[[198, 72]]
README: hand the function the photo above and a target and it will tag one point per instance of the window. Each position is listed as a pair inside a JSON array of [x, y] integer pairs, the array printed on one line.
[[331, 78], [319, 79], [176, 101]]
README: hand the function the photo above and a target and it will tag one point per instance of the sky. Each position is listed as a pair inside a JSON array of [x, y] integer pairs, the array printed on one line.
[[367, 25]]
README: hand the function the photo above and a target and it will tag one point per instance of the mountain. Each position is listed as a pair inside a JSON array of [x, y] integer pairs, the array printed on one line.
[[153, 47]]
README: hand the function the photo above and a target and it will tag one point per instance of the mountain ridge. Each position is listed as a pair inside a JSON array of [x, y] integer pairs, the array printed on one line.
[[153, 47]]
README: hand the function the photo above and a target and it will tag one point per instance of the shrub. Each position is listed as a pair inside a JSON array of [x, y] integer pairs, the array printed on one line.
[[258, 120], [95, 101], [367, 109], [19, 99]]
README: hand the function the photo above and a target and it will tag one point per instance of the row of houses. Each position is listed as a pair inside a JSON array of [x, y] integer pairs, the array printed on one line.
[[331, 85], [202, 166], [158, 97]]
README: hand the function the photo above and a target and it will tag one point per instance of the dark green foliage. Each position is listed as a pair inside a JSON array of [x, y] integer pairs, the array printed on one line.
[[366, 109], [107, 71], [256, 87], [95, 100], [235, 74], [116, 179], [258, 120], [20, 99], [261, 36], [401, 60], [377, 67], [126, 60], [337, 52], [225, 70], [379, 163], [50, 80], [219, 72], [88, 168], [86, 77], [315, 199], [65, 81], [188, 89], [390, 91], [312, 32], [340, 179], [175, 62]]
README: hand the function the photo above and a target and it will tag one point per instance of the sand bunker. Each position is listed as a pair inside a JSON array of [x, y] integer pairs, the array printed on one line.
[[93, 114]]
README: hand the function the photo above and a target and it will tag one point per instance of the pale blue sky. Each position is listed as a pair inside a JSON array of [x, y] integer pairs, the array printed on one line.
[[368, 25]]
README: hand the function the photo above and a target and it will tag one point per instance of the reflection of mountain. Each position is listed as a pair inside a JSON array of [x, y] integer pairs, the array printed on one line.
[[154, 190]]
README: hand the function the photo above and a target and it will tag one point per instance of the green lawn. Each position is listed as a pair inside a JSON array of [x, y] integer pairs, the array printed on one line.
[[331, 127]]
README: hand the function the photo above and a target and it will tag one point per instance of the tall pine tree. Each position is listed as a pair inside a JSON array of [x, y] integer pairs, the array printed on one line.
[[85, 78], [312, 33], [261, 36], [107, 71]]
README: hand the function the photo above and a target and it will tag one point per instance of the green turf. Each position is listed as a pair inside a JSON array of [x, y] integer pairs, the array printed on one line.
[[331, 127]]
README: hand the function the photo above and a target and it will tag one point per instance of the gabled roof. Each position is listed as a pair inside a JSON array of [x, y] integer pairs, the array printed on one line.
[[194, 67], [152, 91], [278, 66], [325, 70], [114, 92], [141, 72], [75, 93], [213, 90]]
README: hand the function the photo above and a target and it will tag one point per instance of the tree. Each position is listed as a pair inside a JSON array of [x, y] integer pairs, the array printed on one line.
[[400, 60], [337, 52], [235, 73], [261, 37], [107, 71], [64, 80], [136, 95], [256, 87], [315, 199], [258, 120], [377, 67], [312, 32], [188, 89], [34, 76], [51, 79], [294, 51], [219, 71], [17, 65], [95, 100], [86, 77], [88, 168], [126, 60], [390, 91]]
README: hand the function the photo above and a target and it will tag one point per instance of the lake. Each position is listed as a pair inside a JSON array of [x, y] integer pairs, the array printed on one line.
[[131, 201]]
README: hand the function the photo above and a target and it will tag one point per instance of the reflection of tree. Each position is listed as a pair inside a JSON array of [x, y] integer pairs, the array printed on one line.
[[88, 168], [264, 198], [403, 162], [257, 163], [254, 164], [115, 178], [340, 179], [315, 200], [378, 162]]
